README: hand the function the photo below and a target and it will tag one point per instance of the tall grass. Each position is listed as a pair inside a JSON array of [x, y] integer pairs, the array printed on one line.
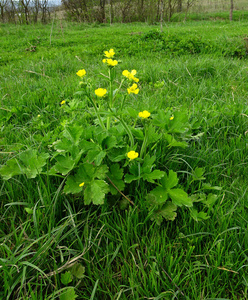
[[44, 232]]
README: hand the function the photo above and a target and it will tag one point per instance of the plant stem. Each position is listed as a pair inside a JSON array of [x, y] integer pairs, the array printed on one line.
[[96, 111], [143, 147], [110, 95]]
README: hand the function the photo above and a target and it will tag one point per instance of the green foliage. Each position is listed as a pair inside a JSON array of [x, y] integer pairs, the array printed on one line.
[[43, 230], [176, 44], [88, 155], [66, 278], [68, 294], [78, 271], [29, 162]]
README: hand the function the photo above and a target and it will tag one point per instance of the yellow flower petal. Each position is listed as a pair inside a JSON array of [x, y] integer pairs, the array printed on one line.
[[100, 92], [133, 89], [171, 118], [125, 73], [62, 102], [132, 155], [81, 73], [144, 114], [110, 53], [81, 184]]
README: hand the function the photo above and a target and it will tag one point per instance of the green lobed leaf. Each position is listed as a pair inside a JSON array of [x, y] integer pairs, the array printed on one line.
[[78, 270], [117, 154], [109, 142], [162, 118], [150, 177], [85, 172], [68, 294], [115, 174], [11, 169], [180, 197], [73, 133], [138, 133], [148, 163], [207, 186], [198, 216], [152, 135], [72, 185], [167, 212], [157, 196], [95, 192], [29, 163], [64, 164], [33, 162], [101, 172], [66, 278], [198, 174], [173, 143], [210, 200], [169, 181], [180, 123], [129, 178]]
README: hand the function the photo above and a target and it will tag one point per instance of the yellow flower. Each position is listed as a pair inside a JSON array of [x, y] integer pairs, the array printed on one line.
[[81, 184], [144, 114], [110, 53], [110, 62], [81, 73], [38, 116], [130, 75], [132, 155], [62, 102], [133, 89], [171, 118], [100, 92]]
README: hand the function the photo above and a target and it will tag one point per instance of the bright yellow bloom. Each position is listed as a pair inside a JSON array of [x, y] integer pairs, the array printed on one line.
[[38, 116], [132, 155], [110, 53], [110, 62], [130, 75], [62, 102], [144, 114], [100, 92], [133, 89], [81, 73], [81, 184], [171, 118]]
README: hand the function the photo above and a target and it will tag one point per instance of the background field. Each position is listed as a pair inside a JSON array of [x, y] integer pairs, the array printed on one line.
[[126, 256]]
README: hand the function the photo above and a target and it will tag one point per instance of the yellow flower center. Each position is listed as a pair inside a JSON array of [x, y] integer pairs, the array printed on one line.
[[132, 155], [100, 92], [144, 114]]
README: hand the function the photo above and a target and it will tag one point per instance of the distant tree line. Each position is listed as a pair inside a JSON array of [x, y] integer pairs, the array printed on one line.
[[102, 11], [124, 10], [24, 11]]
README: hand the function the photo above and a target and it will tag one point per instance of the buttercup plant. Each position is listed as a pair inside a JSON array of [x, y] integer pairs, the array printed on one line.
[[117, 151]]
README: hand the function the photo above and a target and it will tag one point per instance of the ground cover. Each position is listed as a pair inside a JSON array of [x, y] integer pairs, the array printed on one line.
[[122, 253]]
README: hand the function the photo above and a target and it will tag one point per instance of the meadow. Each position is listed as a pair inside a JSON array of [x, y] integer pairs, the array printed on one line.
[[54, 242]]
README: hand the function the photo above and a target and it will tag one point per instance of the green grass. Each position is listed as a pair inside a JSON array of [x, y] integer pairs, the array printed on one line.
[[125, 254]]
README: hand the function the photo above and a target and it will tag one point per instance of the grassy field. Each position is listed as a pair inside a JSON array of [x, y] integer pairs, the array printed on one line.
[[52, 246]]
